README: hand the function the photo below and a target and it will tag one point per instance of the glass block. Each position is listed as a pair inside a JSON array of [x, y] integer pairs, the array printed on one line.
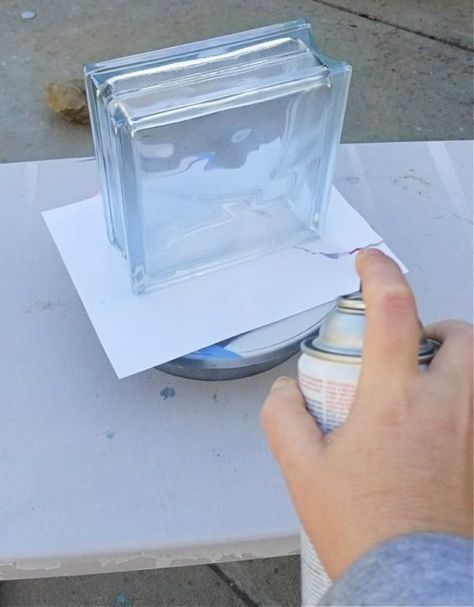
[[218, 151]]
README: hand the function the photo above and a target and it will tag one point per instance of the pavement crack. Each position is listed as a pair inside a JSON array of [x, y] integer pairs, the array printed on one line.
[[404, 28], [243, 596]]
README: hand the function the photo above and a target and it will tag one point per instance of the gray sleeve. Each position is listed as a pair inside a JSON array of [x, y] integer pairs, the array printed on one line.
[[421, 569]]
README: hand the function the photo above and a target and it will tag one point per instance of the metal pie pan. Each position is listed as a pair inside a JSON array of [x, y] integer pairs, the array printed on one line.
[[250, 353]]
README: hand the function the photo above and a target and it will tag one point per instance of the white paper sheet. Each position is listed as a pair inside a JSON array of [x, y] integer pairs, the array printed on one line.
[[139, 332]]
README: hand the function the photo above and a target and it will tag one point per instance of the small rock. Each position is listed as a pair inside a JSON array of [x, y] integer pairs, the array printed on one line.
[[68, 99], [27, 15]]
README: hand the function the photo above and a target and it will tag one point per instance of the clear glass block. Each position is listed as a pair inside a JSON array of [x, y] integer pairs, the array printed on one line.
[[218, 151]]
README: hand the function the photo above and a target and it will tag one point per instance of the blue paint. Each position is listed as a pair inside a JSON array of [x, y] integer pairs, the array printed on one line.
[[122, 600], [215, 351], [109, 435], [168, 392]]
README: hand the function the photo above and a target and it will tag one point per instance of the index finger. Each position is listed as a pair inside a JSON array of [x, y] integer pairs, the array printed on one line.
[[392, 331]]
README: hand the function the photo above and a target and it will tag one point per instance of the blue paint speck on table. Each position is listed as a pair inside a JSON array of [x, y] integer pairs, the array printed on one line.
[[168, 392], [122, 600]]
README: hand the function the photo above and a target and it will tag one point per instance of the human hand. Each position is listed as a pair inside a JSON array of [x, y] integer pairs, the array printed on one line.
[[402, 462]]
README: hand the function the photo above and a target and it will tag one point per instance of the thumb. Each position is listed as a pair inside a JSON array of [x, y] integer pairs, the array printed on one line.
[[291, 432]]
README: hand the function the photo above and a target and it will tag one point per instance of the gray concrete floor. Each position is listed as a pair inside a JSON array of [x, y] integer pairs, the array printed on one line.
[[248, 583], [412, 80], [412, 63]]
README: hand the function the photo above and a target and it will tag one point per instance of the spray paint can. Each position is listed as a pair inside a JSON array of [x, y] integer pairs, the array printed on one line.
[[328, 372]]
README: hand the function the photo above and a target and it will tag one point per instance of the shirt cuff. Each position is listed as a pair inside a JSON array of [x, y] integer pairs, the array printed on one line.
[[421, 569]]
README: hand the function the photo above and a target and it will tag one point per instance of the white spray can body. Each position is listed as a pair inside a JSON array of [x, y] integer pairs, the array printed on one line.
[[328, 374]]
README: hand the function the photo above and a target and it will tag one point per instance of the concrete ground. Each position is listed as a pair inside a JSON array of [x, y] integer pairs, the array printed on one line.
[[412, 80], [411, 58]]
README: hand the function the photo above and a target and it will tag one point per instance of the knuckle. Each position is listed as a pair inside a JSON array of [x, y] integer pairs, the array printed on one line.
[[395, 299]]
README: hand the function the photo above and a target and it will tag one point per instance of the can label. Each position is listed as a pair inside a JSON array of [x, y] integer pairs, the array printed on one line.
[[328, 374], [328, 389]]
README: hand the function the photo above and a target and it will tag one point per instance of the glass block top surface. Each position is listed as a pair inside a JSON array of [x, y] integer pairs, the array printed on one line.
[[215, 152]]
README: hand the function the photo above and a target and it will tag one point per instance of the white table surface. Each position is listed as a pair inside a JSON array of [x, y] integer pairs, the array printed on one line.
[[99, 474]]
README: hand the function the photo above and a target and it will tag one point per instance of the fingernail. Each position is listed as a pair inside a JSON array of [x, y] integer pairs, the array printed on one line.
[[281, 381], [369, 252]]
